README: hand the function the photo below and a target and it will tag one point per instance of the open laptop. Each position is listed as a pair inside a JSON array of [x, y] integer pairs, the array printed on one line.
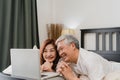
[[26, 63]]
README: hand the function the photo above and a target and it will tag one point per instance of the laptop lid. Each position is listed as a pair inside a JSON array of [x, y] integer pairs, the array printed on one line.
[[25, 63]]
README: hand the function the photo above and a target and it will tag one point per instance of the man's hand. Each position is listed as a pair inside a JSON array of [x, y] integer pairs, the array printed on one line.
[[64, 69]]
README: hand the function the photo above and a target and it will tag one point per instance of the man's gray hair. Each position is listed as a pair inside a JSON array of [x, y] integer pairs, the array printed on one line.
[[68, 39]]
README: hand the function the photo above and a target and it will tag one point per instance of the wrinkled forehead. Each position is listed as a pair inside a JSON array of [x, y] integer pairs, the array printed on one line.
[[60, 43]]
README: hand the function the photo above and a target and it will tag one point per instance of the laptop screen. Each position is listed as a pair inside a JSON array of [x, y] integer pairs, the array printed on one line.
[[25, 62]]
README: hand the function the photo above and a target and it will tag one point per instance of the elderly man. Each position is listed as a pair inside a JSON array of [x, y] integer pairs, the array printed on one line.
[[89, 65]]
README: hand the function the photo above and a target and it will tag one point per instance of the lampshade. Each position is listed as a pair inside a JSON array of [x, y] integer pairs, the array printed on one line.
[[68, 31]]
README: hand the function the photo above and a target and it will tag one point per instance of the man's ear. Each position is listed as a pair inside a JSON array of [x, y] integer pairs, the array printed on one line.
[[73, 45]]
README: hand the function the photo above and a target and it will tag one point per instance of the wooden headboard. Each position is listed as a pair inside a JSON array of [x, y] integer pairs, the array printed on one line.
[[110, 54]]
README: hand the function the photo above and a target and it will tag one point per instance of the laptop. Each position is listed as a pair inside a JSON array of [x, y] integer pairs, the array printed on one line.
[[26, 63]]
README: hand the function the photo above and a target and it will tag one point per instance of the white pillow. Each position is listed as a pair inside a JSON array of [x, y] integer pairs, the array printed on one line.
[[8, 70]]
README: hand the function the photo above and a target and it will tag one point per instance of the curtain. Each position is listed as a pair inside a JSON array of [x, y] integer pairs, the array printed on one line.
[[18, 27], [54, 30]]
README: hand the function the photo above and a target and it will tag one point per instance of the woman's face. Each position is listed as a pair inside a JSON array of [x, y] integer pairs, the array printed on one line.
[[49, 53]]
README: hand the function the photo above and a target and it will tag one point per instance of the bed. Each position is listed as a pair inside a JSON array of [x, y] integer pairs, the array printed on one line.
[[105, 41]]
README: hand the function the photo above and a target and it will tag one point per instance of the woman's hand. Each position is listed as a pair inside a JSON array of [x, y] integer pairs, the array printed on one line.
[[64, 69], [47, 66]]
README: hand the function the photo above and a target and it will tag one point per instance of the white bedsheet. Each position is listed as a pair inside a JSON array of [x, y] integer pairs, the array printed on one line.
[[112, 76]]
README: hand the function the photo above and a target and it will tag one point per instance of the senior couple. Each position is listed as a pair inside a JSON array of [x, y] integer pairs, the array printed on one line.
[[65, 57], [79, 64]]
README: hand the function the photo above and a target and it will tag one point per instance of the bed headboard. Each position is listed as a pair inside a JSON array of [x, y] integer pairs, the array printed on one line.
[[111, 36]]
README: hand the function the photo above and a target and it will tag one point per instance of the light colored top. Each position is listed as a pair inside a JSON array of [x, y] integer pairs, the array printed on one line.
[[94, 67]]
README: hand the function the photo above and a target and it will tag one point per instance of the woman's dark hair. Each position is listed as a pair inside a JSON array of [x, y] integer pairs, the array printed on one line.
[[44, 44]]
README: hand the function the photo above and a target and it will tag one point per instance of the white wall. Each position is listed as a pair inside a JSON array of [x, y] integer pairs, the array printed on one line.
[[44, 15], [78, 14]]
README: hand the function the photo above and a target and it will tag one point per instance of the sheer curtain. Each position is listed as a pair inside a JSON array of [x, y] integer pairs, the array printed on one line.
[[54, 30], [18, 27]]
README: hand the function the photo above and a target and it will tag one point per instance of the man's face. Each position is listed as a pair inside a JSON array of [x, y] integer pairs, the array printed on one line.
[[65, 51]]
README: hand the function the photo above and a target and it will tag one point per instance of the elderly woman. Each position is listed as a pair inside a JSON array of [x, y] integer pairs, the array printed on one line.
[[49, 56]]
